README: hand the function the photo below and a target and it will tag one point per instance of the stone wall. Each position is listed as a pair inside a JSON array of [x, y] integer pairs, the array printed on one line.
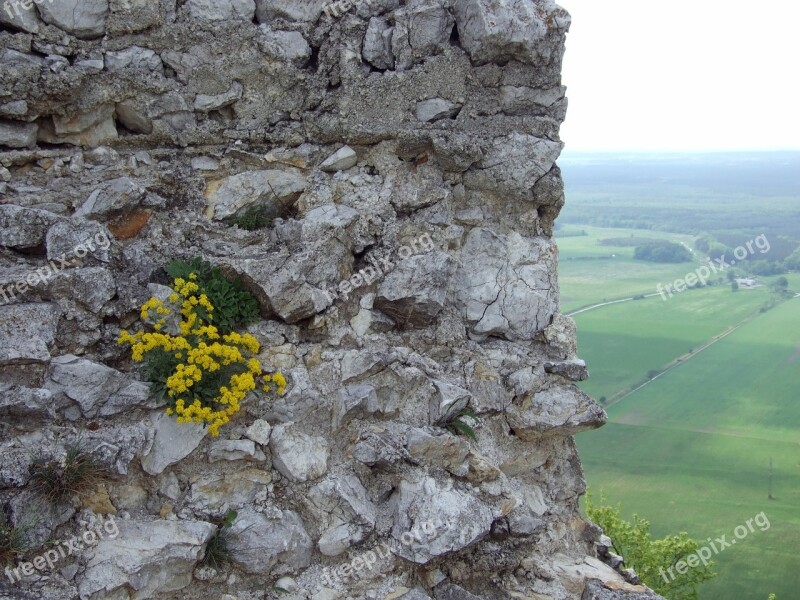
[[407, 154]]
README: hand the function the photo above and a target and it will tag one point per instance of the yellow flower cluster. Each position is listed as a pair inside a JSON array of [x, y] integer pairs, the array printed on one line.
[[201, 360]]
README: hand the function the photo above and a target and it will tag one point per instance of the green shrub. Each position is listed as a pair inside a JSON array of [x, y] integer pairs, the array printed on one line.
[[234, 306]]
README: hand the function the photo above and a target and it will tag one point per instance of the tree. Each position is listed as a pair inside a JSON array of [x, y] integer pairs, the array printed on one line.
[[734, 286], [651, 559], [782, 283]]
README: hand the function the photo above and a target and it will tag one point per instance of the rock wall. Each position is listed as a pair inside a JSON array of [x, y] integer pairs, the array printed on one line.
[[406, 152]]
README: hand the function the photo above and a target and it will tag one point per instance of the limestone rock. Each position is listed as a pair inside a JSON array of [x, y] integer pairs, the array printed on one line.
[[98, 390], [117, 195], [15, 134], [298, 456], [293, 10], [499, 30], [24, 227], [222, 10], [82, 18], [378, 44], [234, 450], [17, 402], [435, 109], [27, 332], [228, 196], [346, 512], [341, 160], [560, 410], [288, 46], [78, 239], [443, 450], [235, 489], [19, 16], [91, 287], [259, 432], [206, 103], [259, 542], [507, 285], [414, 293], [149, 558], [172, 442], [134, 57], [458, 518]]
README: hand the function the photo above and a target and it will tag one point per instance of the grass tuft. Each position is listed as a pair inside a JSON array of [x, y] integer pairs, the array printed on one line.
[[58, 481]]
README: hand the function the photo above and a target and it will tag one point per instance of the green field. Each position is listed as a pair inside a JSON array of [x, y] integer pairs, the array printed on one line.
[[691, 449], [594, 275]]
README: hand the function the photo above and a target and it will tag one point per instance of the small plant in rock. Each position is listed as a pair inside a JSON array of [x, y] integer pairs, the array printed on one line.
[[218, 552], [58, 480], [234, 306], [462, 423], [12, 539], [202, 373], [254, 218]]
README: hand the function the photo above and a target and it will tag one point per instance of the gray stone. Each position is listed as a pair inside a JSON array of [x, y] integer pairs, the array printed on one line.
[[507, 285], [341, 160], [234, 489], [27, 332], [258, 542], [513, 164], [435, 109], [293, 10], [24, 227], [444, 451], [234, 450], [71, 239], [98, 390], [291, 285], [19, 16], [345, 511], [172, 442], [378, 44], [222, 10], [559, 410], [497, 30], [414, 293], [450, 591], [17, 402], [134, 57], [259, 432], [10, 57], [91, 129], [430, 26], [15, 134], [83, 18], [288, 46], [206, 103], [458, 519], [574, 370], [520, 100], [298, 456], [227, 197], [92, 287], [15, 108], [150, 559], [115, 196]]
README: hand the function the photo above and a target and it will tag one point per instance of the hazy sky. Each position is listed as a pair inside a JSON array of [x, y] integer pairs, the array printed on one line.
[[682, 75]]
